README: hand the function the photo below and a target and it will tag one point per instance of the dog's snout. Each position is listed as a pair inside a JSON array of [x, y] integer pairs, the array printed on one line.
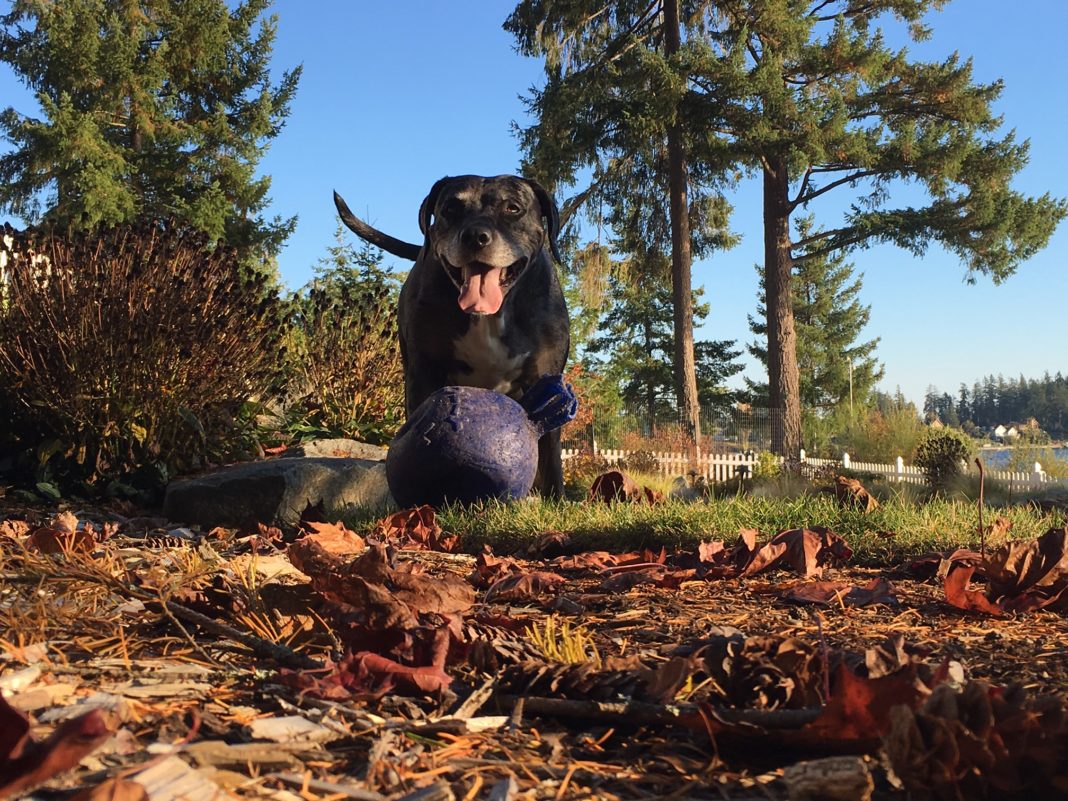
[[476, 237]]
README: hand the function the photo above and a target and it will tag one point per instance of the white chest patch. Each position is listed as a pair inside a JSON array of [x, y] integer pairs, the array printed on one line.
[[486, 356]]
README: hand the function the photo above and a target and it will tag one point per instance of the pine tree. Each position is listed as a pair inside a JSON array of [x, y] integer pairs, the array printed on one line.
[[635, 342], [159, 108], [809, 96], [614, 104], [834, 366]]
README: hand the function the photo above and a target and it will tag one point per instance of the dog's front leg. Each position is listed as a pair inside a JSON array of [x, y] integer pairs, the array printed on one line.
[[549, 480]]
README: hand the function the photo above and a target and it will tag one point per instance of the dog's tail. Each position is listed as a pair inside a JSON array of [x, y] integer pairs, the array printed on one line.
[[398, 247]]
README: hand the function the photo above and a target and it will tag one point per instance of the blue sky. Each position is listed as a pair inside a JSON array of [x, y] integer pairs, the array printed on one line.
[[396, 95]]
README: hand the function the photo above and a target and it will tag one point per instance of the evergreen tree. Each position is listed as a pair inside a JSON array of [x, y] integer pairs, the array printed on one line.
[[614, 105], [635, 342], [346, 267], [159, 108], [834, 367], [809, 95]]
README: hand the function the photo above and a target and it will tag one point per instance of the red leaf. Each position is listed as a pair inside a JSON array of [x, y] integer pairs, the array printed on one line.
[[525, 586], [28, 763], [334, 538], [615, 485], [831, 593], [416, 529], [958, 594], [857, 715]]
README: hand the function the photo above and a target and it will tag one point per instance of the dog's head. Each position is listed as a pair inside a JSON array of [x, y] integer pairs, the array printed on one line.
[[485, 232]]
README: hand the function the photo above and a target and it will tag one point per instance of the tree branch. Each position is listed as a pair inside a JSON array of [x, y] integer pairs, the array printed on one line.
[[802, 198]]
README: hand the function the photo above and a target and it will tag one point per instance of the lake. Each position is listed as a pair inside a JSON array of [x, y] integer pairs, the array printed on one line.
[[998, 458]]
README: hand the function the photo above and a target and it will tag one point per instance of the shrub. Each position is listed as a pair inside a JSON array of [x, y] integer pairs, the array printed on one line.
[[346, 375], [580, 471], [641, 461], [940, 454], [132, 353], [766, 466], [881, 435]]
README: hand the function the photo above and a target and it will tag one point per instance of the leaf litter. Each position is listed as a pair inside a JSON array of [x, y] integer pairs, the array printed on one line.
[[228, 664]]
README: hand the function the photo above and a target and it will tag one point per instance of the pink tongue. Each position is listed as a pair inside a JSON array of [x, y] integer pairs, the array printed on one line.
[[481, 292]]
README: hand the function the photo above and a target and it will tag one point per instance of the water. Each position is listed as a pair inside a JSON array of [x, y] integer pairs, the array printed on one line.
[[998, 458]]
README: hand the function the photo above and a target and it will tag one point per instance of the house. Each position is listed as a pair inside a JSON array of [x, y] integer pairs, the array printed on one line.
[[1003, 434]]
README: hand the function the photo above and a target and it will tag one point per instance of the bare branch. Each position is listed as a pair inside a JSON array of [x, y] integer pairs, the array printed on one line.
[[803, 198]]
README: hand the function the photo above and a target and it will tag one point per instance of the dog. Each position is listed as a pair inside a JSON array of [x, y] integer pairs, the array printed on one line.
[[483, 306]]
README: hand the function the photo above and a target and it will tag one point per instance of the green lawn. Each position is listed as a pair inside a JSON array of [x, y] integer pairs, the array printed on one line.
[[915, 526]]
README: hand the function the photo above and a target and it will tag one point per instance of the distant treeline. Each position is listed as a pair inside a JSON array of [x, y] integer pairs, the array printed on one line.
[[995, 401]]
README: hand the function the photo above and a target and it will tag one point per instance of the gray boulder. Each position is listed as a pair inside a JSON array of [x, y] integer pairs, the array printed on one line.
[[341, 448], [277, 491]]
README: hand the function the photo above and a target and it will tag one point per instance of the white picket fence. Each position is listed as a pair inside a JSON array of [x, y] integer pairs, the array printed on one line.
[[722, 466]]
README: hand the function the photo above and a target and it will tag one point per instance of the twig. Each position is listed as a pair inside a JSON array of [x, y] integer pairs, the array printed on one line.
[[639, 712], [825, 656], [261, 647], [982, 530], [189, 637], [306, 783]]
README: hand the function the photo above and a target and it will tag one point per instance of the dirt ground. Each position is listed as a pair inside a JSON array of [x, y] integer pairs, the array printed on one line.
[[207, 665]]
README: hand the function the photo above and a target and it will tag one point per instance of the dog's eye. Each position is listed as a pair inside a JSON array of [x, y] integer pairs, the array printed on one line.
[[513, 209], [453, 208]]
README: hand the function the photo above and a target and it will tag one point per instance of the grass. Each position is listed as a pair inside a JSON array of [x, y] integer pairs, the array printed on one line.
[[904, 524], [916, 528]]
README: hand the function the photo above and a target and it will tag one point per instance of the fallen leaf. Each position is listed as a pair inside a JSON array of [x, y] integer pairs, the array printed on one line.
[[334, 538], [851, 492], [958, 594], [806, 550], [1039, 566], [27, 763], [416, 529], [834, 593], [615, 485], [114, 789], [525, 586], [858, 713], [62, 535]]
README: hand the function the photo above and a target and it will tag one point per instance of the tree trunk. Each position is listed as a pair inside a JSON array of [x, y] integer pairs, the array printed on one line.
[[681, 259], [783, 376]]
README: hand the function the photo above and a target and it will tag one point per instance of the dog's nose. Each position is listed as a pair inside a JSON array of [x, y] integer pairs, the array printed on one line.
[[476, 237]]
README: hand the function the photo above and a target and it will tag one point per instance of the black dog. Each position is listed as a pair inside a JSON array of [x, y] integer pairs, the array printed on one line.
[[483, 306]]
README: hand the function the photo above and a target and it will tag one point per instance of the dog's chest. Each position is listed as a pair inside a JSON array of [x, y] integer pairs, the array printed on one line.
[[483, 350]]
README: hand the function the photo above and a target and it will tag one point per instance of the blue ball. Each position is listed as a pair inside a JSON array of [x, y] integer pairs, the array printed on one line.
[[466, 444]]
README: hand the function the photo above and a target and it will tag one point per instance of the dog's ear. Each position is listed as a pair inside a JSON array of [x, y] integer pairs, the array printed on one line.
[[426, 210], [551, 214]]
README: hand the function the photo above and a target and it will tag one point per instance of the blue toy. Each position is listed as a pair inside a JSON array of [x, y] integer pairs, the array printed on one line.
[[467, 444]]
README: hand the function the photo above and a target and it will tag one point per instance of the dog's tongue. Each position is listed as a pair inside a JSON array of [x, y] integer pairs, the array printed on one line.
[[481, 291]]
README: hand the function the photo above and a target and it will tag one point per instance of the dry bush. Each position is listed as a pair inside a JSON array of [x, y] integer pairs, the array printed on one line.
[[580, 471], [130, 353], [641, 461], [346, 372]]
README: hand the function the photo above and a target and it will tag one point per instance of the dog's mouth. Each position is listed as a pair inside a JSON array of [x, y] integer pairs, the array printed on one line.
[[483, 286]]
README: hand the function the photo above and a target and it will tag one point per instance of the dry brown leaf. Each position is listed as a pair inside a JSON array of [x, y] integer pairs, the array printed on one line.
[[335, 538], [835, 593], [851, 492], [416, 529], [958, 594], [525, 586], [25, 763], [62, 535], [114, 789], [615, 485]]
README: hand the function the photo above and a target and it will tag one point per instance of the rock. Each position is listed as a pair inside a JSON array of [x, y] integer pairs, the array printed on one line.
[[277, 492], [338, 448]]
